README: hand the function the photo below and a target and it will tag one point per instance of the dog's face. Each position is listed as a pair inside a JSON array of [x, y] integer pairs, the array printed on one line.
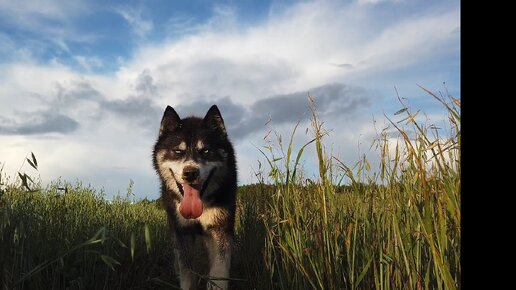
[[191, 156]]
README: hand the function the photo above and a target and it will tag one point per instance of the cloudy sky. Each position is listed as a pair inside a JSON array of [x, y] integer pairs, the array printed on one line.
[[83, 84]]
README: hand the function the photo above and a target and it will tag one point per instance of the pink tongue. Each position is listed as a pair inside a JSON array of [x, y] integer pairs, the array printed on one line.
[[191, 206]]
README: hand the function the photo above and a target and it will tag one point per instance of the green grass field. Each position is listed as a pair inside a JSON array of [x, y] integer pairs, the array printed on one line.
[[393, 227]]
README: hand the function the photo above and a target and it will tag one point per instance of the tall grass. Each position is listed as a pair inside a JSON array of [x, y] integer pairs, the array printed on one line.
[[396, 228], [69, 237], [392, 227]]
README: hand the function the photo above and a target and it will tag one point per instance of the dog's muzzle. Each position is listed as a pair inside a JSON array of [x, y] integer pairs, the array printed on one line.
[[191, 174]]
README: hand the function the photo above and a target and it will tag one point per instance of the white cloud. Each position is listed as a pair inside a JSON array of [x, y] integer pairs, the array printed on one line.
[[413, 40], [373, 2], [10, 50], [291, 51], [21, 12], [134, 17], [49, 24], [294, 50], [89, 63]]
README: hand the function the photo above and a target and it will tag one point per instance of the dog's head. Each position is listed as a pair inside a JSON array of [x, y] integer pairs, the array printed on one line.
[[191, 157]]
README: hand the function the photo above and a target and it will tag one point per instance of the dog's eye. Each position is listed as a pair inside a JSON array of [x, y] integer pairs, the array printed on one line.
[[179, 152], [205, 151]]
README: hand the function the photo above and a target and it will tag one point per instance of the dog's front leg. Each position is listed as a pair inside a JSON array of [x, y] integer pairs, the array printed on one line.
[[219, 269], [219, 248], [184, 257], [185, 277]]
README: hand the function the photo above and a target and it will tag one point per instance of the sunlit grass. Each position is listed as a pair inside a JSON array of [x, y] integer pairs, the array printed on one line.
[[396, 229]]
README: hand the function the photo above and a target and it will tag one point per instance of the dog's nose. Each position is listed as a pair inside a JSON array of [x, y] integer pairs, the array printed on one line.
[[190, 174]]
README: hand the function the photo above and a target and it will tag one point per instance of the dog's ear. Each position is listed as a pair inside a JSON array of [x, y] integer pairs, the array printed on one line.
[[214, 121], [170, 121]]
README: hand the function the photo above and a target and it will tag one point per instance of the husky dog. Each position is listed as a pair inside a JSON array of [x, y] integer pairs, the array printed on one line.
[[196, 164]]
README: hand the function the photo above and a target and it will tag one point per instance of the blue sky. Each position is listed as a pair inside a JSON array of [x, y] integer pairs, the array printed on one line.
[[83, 84]]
